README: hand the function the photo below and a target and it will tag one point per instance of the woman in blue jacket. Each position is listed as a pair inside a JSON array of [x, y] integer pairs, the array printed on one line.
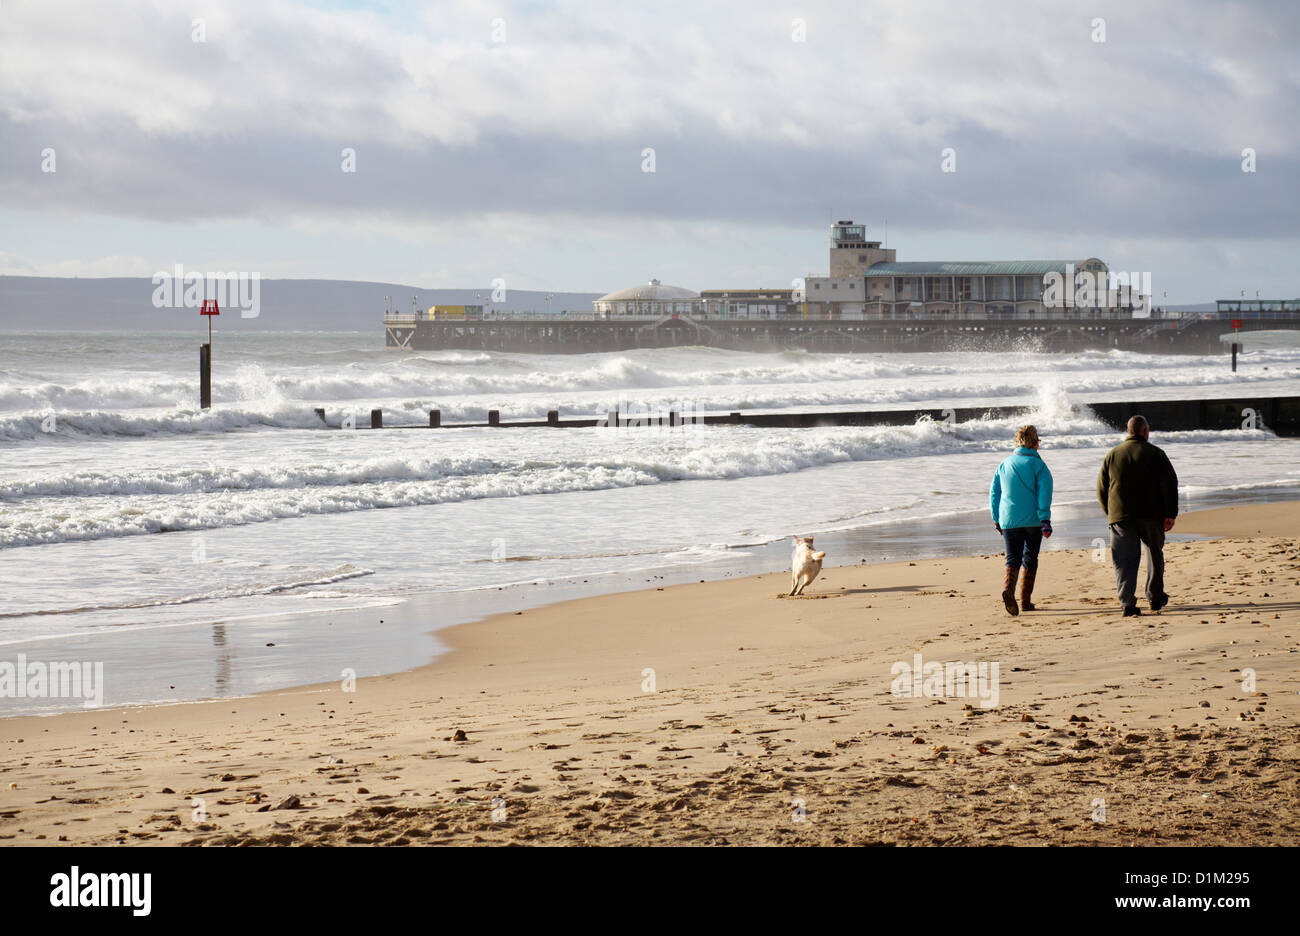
[[1021, 501]]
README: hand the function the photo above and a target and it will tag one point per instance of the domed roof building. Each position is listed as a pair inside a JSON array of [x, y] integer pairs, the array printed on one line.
[[652, 299]]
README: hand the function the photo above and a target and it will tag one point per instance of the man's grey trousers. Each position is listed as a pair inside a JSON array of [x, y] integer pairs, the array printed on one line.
[[1126, 541]]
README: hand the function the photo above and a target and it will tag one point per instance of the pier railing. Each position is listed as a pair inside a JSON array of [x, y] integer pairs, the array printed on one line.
[[1157, 319]]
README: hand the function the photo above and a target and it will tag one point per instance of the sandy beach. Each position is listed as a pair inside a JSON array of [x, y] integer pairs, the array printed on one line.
[[725, 713]]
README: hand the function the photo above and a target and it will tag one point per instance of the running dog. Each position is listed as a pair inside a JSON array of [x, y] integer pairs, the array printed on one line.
[[805, 565]]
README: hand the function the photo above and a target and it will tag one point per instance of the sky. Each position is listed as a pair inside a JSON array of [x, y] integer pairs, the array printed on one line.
[[592, 146]]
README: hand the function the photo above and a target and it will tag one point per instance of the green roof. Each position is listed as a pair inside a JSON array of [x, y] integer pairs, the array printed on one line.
[[977, 268]]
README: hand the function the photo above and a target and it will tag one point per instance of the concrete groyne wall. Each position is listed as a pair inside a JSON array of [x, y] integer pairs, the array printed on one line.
[[1280, 415]]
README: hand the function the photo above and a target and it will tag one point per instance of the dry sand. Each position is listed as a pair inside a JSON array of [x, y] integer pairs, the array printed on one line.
[[770, 720]]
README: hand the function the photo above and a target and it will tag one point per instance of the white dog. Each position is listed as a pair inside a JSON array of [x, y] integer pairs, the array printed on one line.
[[805, 565]]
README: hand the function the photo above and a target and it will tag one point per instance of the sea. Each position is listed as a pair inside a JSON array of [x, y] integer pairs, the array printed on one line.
[[200, 554]]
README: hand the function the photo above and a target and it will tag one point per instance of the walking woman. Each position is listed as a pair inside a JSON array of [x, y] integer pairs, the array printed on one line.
[[1021, 501]]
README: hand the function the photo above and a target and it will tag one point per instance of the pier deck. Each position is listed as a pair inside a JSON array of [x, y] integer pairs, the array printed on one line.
[[552, 334]]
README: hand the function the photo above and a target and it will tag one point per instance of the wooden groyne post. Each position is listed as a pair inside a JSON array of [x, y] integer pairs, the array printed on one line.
[[205, 376]]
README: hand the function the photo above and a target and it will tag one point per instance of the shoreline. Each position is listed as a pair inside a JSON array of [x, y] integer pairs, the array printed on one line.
[[229, 658], [707, 712]]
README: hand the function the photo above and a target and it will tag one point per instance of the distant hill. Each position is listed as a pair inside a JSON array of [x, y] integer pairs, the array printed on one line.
[[46, 303], [43, 303]]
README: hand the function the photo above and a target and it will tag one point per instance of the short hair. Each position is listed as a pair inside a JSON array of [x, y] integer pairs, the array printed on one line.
[[1027, 436], [1138, 424]]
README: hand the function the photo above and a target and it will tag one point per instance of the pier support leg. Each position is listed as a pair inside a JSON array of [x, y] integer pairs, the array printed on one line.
[[320, 412], [205, 376], [494, 417], [376, 419], [552, 417], [435, 418], [1235, 346]]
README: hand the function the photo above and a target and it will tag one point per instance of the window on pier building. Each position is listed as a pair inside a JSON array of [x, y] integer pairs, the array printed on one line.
[[1029, 287], [938, 289], [1000, 287]]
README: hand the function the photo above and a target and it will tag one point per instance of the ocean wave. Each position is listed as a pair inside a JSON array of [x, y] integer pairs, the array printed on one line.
[[465, 384], [76, 426], [328, 577], [112, 504]]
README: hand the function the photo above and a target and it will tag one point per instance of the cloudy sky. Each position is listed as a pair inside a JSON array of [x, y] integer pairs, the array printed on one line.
[[509, 140]]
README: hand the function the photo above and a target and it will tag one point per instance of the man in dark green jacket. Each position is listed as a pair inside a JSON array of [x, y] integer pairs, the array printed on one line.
[[1138, 489]]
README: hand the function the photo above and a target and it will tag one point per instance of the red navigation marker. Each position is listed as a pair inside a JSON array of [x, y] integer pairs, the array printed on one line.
[[1235, 323], [209, 309]]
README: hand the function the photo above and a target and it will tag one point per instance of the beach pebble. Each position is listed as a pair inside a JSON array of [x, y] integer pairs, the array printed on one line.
[[459, 735], [362, 789], [289, 802]]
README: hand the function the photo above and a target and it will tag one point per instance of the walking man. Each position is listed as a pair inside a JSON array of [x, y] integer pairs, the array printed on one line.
[[1138, 489]]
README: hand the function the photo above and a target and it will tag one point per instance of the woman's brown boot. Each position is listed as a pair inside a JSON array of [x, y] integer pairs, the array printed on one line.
[[1027, 591], [1009, 591]]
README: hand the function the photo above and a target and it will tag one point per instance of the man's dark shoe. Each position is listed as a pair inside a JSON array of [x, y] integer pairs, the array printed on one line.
[[1158, 603], [1132, 611]]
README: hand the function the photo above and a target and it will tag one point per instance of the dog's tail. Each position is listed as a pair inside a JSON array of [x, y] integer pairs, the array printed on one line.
[[819, 556]]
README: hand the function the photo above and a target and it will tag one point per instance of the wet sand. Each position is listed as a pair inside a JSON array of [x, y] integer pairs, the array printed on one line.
[[725, 713]]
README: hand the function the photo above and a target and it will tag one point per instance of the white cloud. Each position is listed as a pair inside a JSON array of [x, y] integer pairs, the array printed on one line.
[[499, 147], [12, 264], [917, 71]]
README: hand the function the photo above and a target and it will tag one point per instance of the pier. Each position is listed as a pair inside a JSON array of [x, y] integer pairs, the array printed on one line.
[[1193, 333]]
